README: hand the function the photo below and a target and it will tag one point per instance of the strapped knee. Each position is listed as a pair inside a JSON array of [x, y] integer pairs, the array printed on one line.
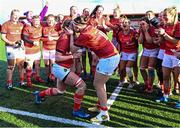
[[129, 72], [80, 84]]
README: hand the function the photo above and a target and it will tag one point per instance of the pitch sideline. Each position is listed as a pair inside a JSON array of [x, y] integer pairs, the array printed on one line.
[[59, 119]]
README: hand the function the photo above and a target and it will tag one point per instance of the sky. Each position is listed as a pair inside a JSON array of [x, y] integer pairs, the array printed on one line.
[[62, 6]]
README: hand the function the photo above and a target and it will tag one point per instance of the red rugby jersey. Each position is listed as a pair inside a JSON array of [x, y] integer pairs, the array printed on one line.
[[63, 46], [50, 31], [13, 31], [34, 34], [96, 41], [127, 42], [115, 21], [98, 23], [172, 30], [152, 34]]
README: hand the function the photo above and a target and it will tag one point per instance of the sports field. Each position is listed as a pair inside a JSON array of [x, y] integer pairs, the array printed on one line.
[[131, 107]]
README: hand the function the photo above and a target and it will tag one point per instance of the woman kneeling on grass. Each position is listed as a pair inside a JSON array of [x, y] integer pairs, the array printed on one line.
[[94, 39], [61, 70]]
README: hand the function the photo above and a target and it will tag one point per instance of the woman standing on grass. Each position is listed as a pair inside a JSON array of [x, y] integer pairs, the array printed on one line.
[[159, 40], [50, 37], [94, 39], [99, 21], [11, 35], [149, 55], [114, 24], [86, 52], [32, 36], [128, 45], [170, 34], [28, 22], [77, 66], [65, 76]]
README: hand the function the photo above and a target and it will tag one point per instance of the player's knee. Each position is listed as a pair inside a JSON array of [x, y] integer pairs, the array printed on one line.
[[129, 72], [80, 84], [165, 77]]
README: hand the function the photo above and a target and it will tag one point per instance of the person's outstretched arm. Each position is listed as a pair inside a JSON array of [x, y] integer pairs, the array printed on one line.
[[44, 11]]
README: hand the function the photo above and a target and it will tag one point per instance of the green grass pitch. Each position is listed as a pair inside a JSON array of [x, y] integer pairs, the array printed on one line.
[[132, 108]]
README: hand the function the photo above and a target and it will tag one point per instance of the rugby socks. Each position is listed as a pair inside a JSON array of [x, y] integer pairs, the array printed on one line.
[[175, 85], [104, 110], [77, 101], [167, 90], [98, 105], [162, 88], [93, 69], [28, 77], [28, 73], [9, 82], [21, 79], [48, 92], [146, 84]]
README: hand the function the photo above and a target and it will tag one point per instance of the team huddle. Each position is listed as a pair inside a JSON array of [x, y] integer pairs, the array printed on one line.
[[63, 43]]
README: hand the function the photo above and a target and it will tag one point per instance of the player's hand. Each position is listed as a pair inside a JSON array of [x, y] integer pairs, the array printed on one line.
[[36, 43], [68, 31], [50, 38], [161, 31], [77, 55], [47, 3], [178, 45], [144, 26]]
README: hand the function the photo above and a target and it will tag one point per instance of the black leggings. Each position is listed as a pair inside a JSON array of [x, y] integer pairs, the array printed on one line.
[[159, 70]]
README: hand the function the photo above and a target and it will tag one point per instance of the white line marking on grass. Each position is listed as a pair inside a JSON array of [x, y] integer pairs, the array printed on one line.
[[114, 96], [49, 118]]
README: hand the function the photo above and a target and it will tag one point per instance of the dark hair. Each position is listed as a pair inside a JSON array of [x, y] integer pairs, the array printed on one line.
[[73, 7], [85, 9], [154, 21], [50, 15], [81, 20], [36, 17], [66, 23], [93, 13]]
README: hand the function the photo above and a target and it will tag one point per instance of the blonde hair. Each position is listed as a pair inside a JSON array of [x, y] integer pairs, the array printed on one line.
[[123, 17], [126, 19], [173, 12], [117, 9]]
